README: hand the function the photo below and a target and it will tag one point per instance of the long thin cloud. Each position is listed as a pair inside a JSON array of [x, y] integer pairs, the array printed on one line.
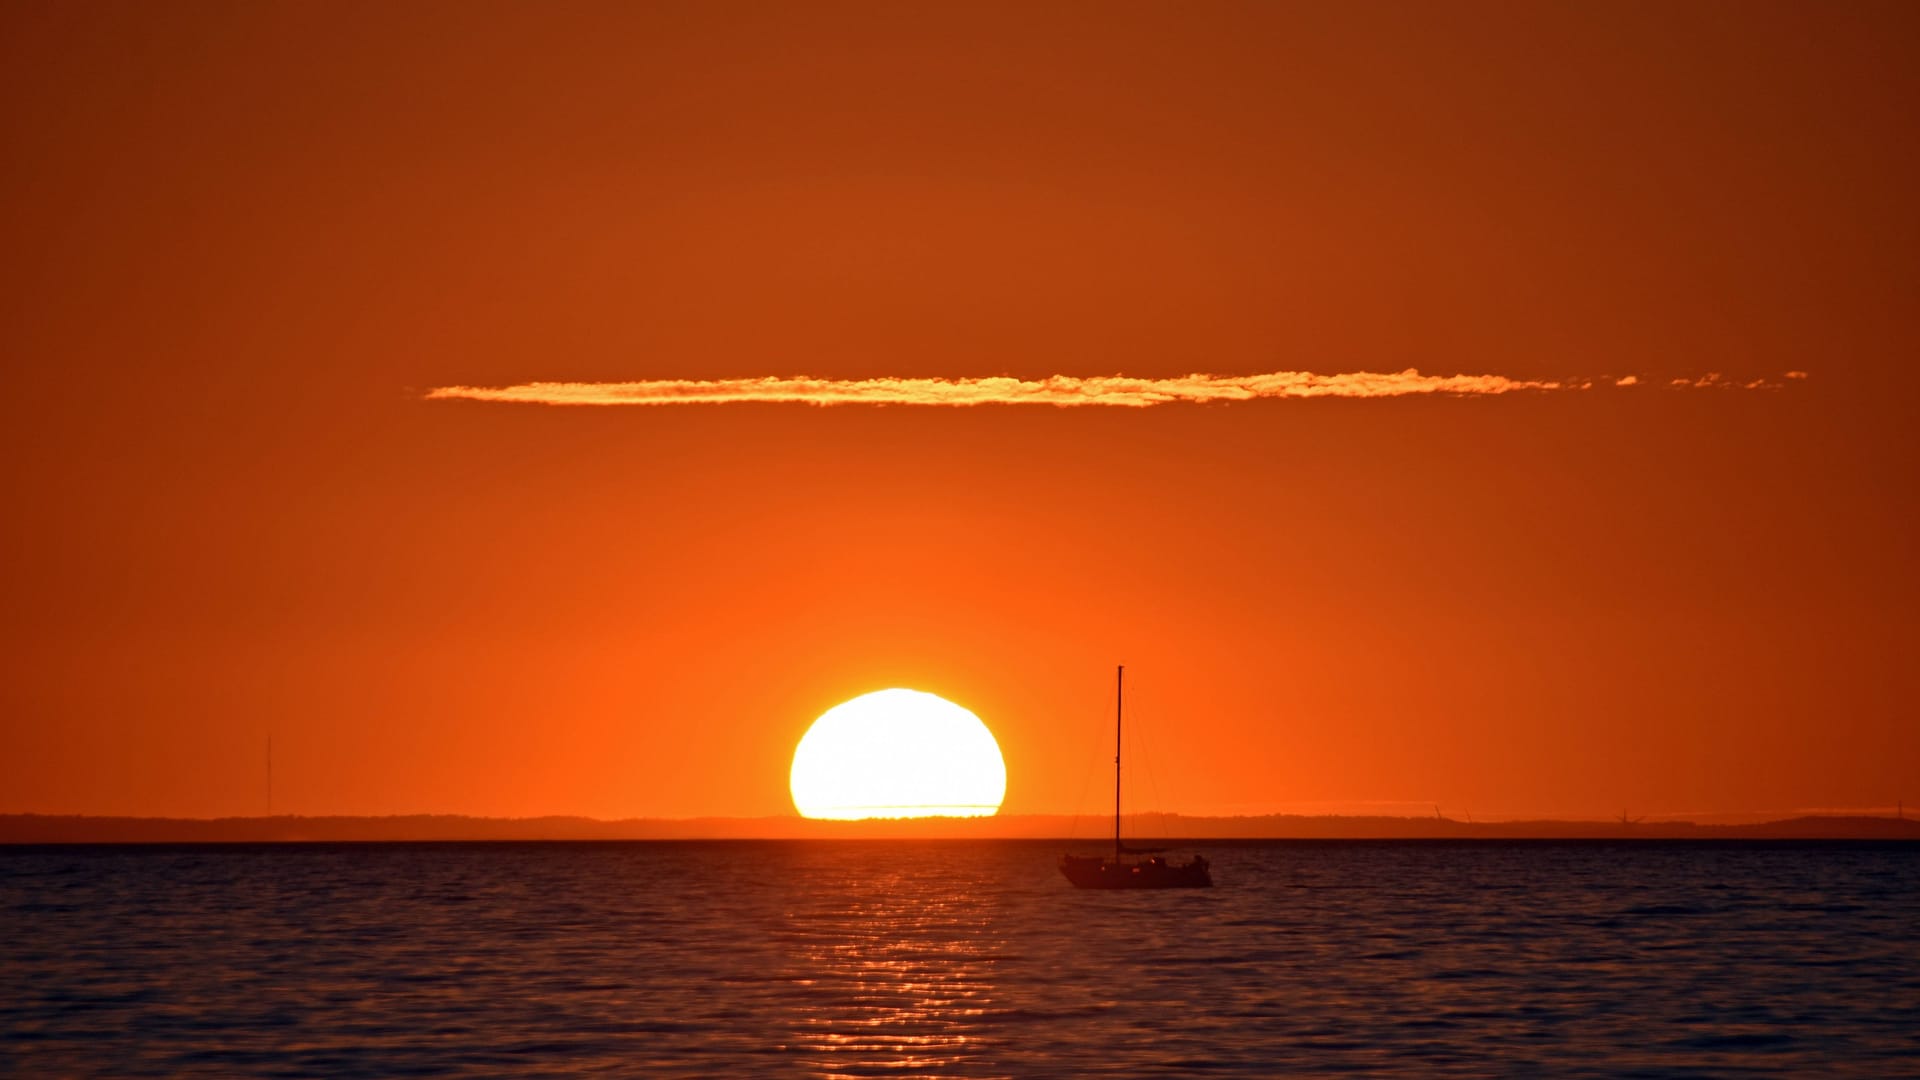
[[1056, 390]]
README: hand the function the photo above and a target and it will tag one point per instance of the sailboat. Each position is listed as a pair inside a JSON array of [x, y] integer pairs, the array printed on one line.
[[1120, 872]]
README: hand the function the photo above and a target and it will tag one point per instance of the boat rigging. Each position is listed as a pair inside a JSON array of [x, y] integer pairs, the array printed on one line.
[[1120, 872]]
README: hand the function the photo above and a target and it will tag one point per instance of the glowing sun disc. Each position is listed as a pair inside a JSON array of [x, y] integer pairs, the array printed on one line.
[[897, 754]]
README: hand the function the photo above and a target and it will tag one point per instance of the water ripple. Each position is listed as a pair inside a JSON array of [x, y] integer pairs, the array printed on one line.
[[958, 959]]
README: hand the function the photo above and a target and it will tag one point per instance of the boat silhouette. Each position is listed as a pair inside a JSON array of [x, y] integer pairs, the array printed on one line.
[[1152, 871]]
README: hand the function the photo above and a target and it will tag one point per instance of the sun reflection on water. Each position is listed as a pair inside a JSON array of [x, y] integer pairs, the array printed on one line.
[[897, 980]]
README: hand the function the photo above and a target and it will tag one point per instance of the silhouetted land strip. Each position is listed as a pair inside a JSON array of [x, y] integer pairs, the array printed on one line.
[[77, 829]]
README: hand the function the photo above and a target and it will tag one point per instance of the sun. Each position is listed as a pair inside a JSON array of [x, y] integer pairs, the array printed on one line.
[[897, 754]]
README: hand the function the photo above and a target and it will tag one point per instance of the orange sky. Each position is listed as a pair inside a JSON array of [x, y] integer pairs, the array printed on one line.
[[244, 240]]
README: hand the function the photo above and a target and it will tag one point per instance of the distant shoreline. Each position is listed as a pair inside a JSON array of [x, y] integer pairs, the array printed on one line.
[[1143, 828]]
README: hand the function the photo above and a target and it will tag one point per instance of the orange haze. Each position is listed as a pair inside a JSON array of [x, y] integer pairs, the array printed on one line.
[[244, 241]]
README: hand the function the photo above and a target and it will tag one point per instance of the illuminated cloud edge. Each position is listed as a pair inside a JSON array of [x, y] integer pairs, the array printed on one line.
[[1056, 390]]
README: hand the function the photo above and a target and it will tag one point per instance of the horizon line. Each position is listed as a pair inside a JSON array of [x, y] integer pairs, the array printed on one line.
[[1894, 813]]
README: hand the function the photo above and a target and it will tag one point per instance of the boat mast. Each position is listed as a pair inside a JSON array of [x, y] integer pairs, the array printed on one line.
[[1119, 693]]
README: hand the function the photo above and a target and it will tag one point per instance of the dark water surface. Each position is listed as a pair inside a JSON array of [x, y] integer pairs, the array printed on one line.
[[959, 959]]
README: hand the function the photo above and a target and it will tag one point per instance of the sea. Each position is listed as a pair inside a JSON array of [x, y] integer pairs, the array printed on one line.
[[962, 959]]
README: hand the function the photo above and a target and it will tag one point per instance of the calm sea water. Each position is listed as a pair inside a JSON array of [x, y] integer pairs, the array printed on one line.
[[959, 959]]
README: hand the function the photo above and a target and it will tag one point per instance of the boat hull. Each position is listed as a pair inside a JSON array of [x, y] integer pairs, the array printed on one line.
[[1095, 872]]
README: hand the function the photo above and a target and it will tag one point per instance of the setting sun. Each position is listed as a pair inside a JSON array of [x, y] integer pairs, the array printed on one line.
[[898, 754]]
